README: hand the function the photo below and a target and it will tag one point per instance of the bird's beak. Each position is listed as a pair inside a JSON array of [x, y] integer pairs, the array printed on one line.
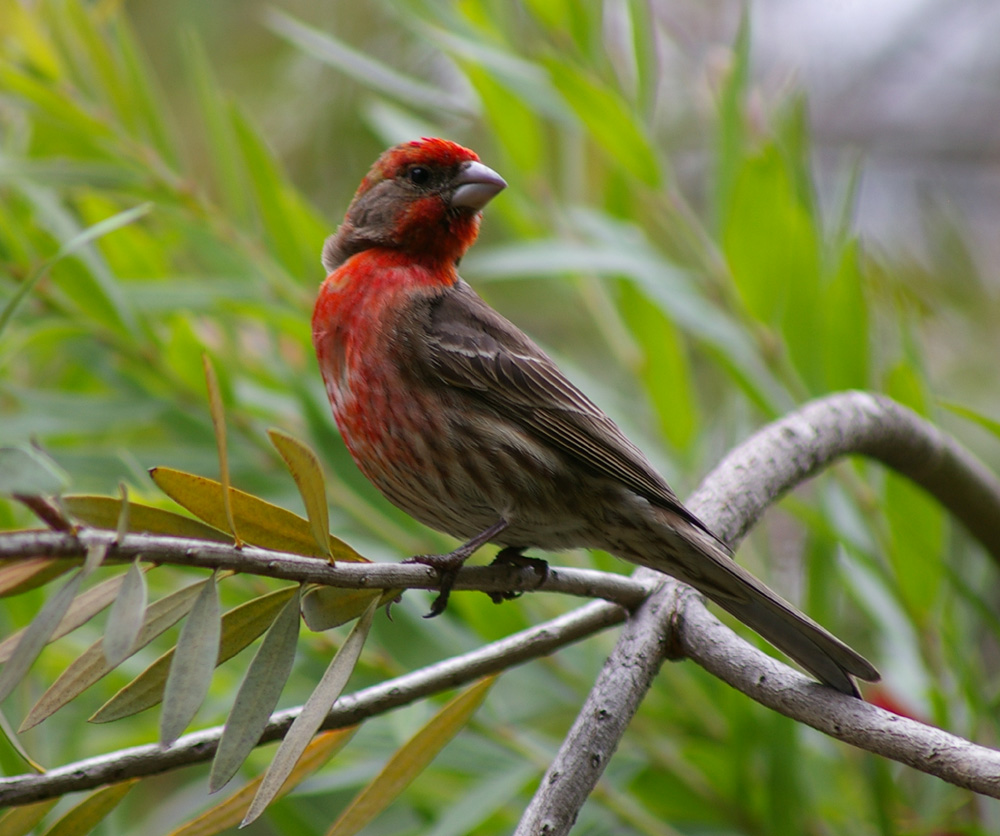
[[475, 186]]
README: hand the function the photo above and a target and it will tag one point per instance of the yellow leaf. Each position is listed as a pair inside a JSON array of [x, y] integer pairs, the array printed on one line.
[[230, 812], [308, 475], [261, 523], [103, 512], [86, 815], [410, 760]]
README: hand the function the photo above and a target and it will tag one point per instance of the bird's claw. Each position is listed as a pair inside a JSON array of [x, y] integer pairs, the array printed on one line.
[[447, 566], [514, 556]]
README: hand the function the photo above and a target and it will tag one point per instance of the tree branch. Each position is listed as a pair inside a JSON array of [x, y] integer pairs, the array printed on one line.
[[731, 500]]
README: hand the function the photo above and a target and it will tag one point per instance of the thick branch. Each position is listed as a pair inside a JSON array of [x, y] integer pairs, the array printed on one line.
[[731, 500]]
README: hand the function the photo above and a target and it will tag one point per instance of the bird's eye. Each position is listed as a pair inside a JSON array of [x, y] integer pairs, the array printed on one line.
[[418, 175]]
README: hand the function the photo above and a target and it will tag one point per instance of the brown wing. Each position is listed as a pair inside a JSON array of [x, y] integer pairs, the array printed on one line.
[[470, 346]]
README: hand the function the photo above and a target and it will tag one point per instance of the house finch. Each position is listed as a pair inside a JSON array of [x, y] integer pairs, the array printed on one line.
[[458, 418]]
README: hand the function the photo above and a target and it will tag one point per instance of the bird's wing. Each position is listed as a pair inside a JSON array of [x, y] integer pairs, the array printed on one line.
[[470, 346]]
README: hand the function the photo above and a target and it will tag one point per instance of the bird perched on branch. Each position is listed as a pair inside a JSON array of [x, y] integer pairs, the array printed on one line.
[[458, 418]]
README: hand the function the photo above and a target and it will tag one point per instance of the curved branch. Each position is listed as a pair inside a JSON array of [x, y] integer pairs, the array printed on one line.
[[731, 500]]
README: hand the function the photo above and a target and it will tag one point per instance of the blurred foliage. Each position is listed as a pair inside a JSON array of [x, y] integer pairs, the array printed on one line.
[[662, 235]]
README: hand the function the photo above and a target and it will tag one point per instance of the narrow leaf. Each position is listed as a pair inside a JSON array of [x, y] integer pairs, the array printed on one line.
[[258, 695], [326, 607], [126, 617], [37, 634], [17, 576], [311, 716], [308, 475], [27, 471], [260, 522], [193, 664], [84, 607], [103, 512], [122, 528], [240, 626], [410, 760], [219, 423], [20, 821], [228, 813], [91, 665], [17, 746], [86, 815]]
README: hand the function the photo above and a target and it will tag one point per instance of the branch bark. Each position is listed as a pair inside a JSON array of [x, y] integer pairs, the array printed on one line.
[[731, 500]]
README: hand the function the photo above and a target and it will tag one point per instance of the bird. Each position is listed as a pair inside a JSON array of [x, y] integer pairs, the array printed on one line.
[[461, 420]]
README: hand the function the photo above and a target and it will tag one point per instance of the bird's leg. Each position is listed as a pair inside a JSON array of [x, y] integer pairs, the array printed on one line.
[[449, 564], [515, 556]]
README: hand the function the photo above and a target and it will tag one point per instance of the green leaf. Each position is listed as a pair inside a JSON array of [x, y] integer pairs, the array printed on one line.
[[21, 821], [219, 425], [17, 576], [103, 512], [85, 816], [240, 626], [308, 476], [84, 607], [311, 717], [126, 617], [91, 665], [193, 664], [326, 607], [410, 760], [258, 695], [27, 471]]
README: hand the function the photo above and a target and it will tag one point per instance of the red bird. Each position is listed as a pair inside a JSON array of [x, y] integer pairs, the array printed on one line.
[[458, 418]]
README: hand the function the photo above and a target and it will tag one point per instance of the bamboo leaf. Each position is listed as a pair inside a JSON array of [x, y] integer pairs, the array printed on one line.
[[410, 760], [228, 813], [261, 523], [86, 815], [103, 512], [258, 695], [219, 424], [126, 617], [308, 475], [92, 665], [311, 716], [240, 626], [84, 607]]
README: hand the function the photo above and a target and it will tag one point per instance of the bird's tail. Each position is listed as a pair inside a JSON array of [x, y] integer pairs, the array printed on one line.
[[714, 573]]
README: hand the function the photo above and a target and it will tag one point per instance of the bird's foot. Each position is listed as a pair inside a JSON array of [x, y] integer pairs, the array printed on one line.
[[515, 556], [447, 565]]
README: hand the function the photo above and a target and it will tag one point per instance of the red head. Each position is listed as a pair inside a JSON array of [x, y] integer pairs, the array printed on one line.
[[422, 198]]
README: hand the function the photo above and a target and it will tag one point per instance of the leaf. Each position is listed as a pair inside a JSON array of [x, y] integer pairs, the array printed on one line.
[[410, 760], [72, 245], [261, 523], [126, 616], [219, 424], [17, 576], [305, 470], [27, 471], [228, 813], [311, 716], [258, 695], [991, 425], [326, 607], [193, 664], [84, 607], [91, 665], [15, 743], [21, 821], [103, 512], [86, 815], [37, 634], [240, 626]]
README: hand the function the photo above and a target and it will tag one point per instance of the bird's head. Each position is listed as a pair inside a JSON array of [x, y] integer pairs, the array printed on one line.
[[422, 198]]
